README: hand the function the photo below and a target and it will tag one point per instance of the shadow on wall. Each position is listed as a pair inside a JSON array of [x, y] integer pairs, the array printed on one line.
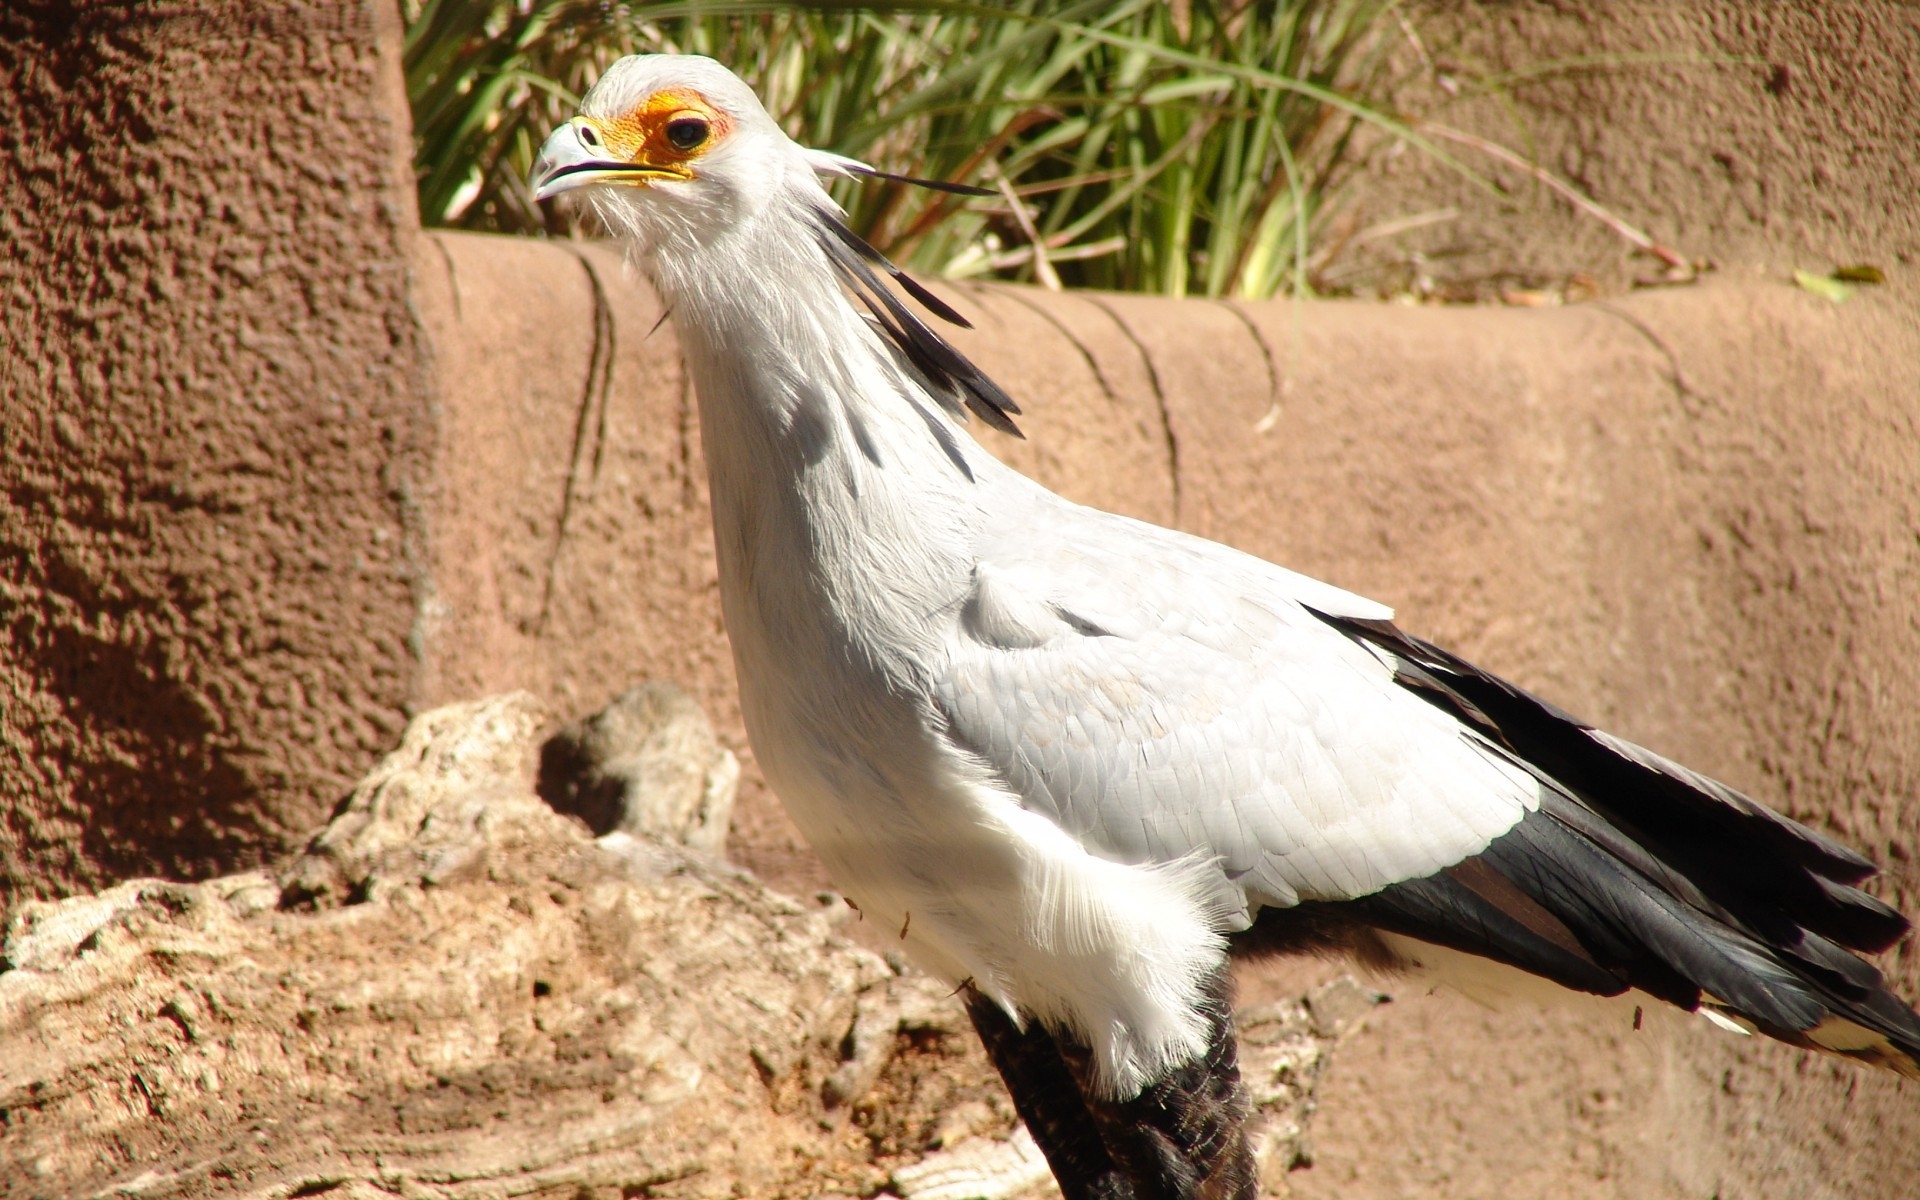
[[217, 406]]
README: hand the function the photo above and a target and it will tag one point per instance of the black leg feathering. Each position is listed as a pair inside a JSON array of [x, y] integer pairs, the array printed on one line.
[[1183, 1137], [1047, 1097]]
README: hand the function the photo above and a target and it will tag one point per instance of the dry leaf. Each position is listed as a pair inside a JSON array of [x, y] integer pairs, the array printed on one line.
[[1824, 286]]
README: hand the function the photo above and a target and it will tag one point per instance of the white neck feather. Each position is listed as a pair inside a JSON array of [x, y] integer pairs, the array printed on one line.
[[770, 333], [852, 521], [825, 469]]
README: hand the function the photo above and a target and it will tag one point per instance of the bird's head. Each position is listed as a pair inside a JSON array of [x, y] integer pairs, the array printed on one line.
[[678, 155], [673, 147]]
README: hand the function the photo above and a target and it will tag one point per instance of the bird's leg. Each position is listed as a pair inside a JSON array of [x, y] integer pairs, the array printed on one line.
[[1047, 1097], [1184, 1136]]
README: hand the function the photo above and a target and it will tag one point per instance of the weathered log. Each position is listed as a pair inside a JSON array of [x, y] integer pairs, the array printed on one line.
[[459, 992]]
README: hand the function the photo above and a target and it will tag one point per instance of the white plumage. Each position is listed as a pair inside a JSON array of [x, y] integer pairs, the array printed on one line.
[[1067, 754], [1064, 750]]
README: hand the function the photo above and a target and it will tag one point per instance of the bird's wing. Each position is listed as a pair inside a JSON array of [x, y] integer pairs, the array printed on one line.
[[1160, 698], [1163, 698]]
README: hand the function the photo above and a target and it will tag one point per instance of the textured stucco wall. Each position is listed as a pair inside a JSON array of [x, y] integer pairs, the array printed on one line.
[[211, 416], [1761, 137]]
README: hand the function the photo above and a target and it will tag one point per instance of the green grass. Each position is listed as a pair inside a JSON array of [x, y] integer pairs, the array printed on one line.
[[1188, 148]]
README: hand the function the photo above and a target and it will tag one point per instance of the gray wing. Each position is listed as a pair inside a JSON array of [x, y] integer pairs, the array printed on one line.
[[1161, 697]]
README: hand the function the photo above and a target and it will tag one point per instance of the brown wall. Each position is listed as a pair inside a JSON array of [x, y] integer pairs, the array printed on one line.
[[1759, 136], [214, 403]]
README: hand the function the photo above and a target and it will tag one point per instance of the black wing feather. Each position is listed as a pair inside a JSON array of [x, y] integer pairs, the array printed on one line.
[[1442, 910], [1742, 855], [1636, 872]]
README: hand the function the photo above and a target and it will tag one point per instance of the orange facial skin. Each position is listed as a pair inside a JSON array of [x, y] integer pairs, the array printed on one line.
[[640, 135]]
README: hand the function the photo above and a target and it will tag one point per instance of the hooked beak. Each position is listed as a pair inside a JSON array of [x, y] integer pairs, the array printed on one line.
[[566, 162]]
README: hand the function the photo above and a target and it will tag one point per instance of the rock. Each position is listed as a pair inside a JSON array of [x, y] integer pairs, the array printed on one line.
[[454, 992], [1284, 1051], [977, 1169], [648, 765], [432, 807]]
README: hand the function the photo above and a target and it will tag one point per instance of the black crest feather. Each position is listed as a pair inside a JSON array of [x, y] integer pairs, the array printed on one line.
[[935, 185], [950, 377]]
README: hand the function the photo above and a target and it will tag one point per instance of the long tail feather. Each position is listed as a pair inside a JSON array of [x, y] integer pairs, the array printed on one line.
[[1637, 873]]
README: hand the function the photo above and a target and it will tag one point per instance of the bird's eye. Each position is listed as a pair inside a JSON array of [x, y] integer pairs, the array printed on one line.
[[686, 133]]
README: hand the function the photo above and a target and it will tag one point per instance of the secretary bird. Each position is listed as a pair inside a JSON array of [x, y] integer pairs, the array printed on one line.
[[1081, 761]]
